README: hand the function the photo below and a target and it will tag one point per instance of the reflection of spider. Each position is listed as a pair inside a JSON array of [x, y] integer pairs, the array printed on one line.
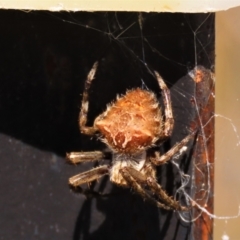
[[130, 126]]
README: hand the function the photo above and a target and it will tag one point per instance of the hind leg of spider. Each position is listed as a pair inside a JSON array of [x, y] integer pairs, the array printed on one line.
[[141, 191], [89, 176], [138, 181], [177, 148]]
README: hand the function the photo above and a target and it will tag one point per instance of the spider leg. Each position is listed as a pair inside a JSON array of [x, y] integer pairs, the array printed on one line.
[[79, 157], [137, 180], [84, 107], [140, 190], [89, 176], [169, 121], [178, 147]]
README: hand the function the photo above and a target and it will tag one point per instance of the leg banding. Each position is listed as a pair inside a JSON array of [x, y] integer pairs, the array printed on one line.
[[89, 176], [140, 190], [84, 108], [158, 191], [169, 121], [177, 148], [138, 182], [80, 157]]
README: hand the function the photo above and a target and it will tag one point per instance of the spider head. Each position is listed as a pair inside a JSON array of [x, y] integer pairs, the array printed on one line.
[[132, 124]]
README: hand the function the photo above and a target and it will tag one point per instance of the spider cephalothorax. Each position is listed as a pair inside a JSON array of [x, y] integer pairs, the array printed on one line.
[[129, 126]]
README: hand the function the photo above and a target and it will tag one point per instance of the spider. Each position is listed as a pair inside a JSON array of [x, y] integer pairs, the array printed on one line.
[[129, 127]]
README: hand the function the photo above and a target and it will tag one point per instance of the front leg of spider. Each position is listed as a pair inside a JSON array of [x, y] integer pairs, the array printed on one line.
[[84, 108], [177, 148], [78, 157], [169, 120], [168, 126]]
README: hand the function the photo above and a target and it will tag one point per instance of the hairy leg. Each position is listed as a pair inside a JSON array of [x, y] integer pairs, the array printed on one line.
[[80, 157], [169, 121], [89, 176], [140, 190], [137, 180], [84, 108], [179, 147]]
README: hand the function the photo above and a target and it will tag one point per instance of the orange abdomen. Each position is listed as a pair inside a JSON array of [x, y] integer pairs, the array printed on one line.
[[131, 124]]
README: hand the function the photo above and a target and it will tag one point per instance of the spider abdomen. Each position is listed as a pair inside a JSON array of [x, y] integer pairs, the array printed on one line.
[[131, 124]]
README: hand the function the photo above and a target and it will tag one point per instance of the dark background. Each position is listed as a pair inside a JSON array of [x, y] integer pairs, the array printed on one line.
[[44, 60]]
